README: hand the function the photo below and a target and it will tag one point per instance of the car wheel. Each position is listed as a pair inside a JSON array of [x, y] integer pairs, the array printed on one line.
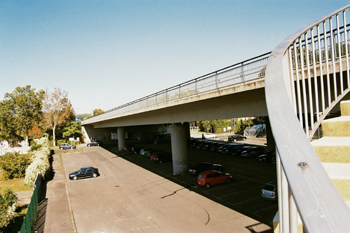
[[75, 178], [228, 181], [94, 175], [207, 185]]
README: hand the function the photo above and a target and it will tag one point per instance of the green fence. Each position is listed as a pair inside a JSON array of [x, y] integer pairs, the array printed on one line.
[[29, 219]]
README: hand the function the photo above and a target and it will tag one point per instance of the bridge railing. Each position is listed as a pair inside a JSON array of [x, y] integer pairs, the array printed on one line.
[[244, 71], [306, 76]]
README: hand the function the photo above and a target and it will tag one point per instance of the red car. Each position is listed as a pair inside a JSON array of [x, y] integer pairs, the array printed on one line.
[[128, 148], [210, 178]]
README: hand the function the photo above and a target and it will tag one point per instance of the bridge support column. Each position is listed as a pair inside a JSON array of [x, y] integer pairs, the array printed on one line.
[[179, 149], [121, 138], [271, 144]]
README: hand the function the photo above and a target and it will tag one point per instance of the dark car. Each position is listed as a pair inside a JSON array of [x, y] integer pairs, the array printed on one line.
[[236, 137], [84, 172], [253, 152], [236, 151], [66, 146], [94, 144], [269, 157], [210, 178], [201, 167], [136, 149], [163, 157]]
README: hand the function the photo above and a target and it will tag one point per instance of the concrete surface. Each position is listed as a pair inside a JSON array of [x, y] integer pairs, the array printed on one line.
[[128, 198]]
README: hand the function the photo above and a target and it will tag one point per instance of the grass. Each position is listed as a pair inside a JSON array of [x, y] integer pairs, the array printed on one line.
[[16, 185]]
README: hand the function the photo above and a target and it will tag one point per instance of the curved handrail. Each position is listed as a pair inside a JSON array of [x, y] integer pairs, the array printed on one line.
[[241, 72], [291, 106]]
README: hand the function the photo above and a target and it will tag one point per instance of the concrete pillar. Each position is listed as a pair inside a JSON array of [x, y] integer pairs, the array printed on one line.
[[121, 138], [179, 149], [187, 129], [271, 144]]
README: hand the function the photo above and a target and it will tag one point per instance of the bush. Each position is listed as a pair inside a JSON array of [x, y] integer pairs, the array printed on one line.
[[8, 203], [40, 162], [14, 164], [59, 142]]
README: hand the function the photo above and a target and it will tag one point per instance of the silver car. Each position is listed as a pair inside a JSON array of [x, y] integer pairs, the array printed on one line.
[[269, 191]]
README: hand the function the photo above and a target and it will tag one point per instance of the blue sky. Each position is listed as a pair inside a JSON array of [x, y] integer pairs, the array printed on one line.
[[106, 53]]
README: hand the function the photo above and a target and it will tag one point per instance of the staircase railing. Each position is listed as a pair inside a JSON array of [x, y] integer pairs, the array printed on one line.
[[306, 76]]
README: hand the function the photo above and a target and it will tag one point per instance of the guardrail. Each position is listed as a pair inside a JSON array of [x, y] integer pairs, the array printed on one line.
[[29, 218], [241, 72], [306, 76]]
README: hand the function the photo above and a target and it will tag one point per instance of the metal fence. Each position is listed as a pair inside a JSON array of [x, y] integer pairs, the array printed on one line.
[[244, 71], [307, 75], [29, 218]]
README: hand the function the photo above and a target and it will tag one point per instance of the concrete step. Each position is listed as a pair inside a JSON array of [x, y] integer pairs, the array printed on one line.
[[345, 108], [336, 127], [333, 149], [340, 175]]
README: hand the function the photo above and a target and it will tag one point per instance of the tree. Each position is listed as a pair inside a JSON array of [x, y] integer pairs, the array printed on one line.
[[19, 111], [87, 116], [72, 129], [97, 112], [35, 132], [57, 109]]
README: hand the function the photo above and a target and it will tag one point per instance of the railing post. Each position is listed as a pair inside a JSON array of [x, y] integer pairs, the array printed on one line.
[[195, 86], [216, 80], [242, 73]]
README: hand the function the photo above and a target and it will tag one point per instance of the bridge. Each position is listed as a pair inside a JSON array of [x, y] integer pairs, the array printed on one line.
[[298, 85]]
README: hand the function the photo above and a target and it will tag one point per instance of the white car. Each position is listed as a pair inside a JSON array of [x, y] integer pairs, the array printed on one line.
[[208, 135]]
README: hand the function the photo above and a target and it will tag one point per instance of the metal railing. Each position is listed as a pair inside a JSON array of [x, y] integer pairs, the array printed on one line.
[[29, 218], [306, 76], [241, 72]]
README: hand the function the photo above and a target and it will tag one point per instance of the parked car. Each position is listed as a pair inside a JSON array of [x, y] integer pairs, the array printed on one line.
[[145, 151], [236, 151], [127, 148], [153, 154], [252, 152], [94, 144], [269, 191], [84, 172], [204, 166], [269, 157], [236, 137], [231, 147], [210, 178], [164, 157], [208, 135], [66, 146], [136, 149]]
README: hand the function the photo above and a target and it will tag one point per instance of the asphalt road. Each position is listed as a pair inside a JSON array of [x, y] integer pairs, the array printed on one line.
[[134, 194]]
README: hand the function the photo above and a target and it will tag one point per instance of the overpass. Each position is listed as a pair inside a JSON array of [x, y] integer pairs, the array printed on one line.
[[306, 77]]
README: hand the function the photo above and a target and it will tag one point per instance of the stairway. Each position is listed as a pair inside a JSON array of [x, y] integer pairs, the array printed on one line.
[[333, 149]]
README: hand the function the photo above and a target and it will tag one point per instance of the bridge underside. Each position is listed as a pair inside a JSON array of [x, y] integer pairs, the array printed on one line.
[[244, 104]]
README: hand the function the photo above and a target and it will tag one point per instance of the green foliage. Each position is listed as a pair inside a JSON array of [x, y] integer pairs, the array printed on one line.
[[14, 164], [72, 129], [97, 112], [40, 162], [7, 207], [59, 142], [35, 146], [19, 111]]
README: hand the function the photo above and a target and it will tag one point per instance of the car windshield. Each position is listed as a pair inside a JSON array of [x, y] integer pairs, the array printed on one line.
[[269, 187], [201, 176]]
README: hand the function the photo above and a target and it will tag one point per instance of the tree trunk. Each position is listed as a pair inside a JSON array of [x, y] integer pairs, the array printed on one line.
[[53, 135]]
